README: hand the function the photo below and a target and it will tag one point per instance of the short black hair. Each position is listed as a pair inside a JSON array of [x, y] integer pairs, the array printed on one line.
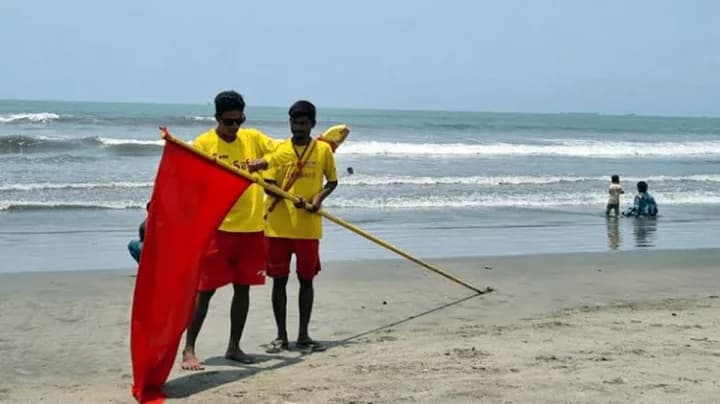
[[228, 101], [302, 108], [615, 179], [642, 186]]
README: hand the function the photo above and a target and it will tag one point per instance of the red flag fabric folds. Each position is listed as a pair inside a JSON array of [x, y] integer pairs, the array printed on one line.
[[190, 198]]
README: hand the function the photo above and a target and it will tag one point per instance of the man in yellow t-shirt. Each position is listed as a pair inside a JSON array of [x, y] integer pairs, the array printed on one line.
[[237, 252], [304, 167]]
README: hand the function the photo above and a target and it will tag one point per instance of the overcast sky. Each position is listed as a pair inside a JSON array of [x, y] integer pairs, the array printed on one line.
[[645, 57]]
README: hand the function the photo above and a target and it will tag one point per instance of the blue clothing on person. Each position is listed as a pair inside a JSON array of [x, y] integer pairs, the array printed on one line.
[[644, 205], [135, 248]]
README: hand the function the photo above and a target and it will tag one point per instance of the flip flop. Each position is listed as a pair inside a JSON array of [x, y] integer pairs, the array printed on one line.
[[310, 346], [242, 358], [277, 346]]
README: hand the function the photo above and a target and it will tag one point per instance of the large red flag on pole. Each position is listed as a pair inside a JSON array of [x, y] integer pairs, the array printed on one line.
[[190, 198]]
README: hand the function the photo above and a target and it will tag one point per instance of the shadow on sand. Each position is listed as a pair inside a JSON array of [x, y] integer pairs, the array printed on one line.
[[198, 382]]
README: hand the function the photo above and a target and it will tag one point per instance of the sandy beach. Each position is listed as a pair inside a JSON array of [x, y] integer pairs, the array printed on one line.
[[623, 327]]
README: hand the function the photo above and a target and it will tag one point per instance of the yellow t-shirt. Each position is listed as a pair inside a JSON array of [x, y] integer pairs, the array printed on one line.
[[285, 220], [246, 215]]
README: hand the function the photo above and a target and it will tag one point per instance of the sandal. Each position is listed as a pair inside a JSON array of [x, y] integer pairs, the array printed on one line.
[[310, 346], [277, 346], [241, 357]]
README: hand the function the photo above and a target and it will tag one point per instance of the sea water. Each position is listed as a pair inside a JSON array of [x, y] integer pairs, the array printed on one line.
[[75, 178]]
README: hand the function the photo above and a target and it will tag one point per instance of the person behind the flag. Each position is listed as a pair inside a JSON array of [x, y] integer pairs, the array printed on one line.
[[135, 246], [237, 252], [306, 168]]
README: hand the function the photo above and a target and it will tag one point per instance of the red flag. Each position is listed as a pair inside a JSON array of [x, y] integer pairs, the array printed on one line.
[[190, 198]]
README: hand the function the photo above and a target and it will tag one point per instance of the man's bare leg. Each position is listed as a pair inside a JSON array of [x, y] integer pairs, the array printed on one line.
[[279, 304], [190, 360], [238, 314], [305, 301]]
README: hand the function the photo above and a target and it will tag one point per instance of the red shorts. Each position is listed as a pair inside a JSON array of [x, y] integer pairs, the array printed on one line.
[[237, 258], [307, 256]]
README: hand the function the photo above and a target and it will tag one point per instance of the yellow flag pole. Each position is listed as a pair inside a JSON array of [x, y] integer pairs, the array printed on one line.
[[400, 252], [281, 192]]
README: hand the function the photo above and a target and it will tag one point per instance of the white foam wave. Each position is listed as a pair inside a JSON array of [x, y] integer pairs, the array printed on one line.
[[29, 117], [7, 205], [358, 179], [528, 201], [88, 185], [476, 200], [697, 177], [202, 118], [368, 180], [571, 148], [116, 142]]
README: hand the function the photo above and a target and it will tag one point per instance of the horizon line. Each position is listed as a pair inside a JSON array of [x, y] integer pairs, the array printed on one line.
[[399, 109]]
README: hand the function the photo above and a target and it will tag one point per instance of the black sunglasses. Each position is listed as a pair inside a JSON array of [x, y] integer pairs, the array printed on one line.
[[230, 122]]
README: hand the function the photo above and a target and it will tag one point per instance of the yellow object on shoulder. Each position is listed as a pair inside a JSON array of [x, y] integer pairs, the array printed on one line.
[[335, 135], [305, 180]]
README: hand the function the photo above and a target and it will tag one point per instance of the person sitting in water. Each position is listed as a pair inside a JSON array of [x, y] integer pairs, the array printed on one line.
[[135, 246], [644, 204]]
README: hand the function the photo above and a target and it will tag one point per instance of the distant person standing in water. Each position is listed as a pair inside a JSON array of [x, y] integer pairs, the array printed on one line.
[[614, 192], [350, 171]]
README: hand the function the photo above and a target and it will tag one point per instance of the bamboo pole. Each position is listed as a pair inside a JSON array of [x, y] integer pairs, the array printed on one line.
[[256, 179]]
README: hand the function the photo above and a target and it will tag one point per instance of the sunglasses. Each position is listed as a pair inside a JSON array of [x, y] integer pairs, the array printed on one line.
[[231, 122]]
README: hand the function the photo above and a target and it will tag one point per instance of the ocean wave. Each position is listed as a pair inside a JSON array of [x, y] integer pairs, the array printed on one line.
[[68, 157], [568, 148], [94, 119], [129, 119], [70, 186], [28, 144], [60, 205], [519, 201], [38, 144], [197, 118], [373, 180], [474, 200], [29, 117], [367, 180], [120, 142], [132, 147]]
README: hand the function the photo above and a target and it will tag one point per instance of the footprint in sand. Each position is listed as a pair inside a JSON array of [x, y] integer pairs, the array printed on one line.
[[467, 353]]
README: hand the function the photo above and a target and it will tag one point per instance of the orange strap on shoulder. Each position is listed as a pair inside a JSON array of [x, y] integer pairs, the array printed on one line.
[[297, 172]]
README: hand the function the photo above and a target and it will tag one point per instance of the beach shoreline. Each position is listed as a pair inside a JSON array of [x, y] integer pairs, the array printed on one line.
[[568, 328]]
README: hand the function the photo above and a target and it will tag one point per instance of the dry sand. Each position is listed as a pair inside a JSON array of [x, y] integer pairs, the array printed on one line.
[[635, 327]]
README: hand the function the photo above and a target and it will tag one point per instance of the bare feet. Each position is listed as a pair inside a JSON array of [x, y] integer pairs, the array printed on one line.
[[237, 355], [190, 361]]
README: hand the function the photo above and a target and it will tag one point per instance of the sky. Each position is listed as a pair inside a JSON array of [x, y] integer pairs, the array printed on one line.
[[614, 56]]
